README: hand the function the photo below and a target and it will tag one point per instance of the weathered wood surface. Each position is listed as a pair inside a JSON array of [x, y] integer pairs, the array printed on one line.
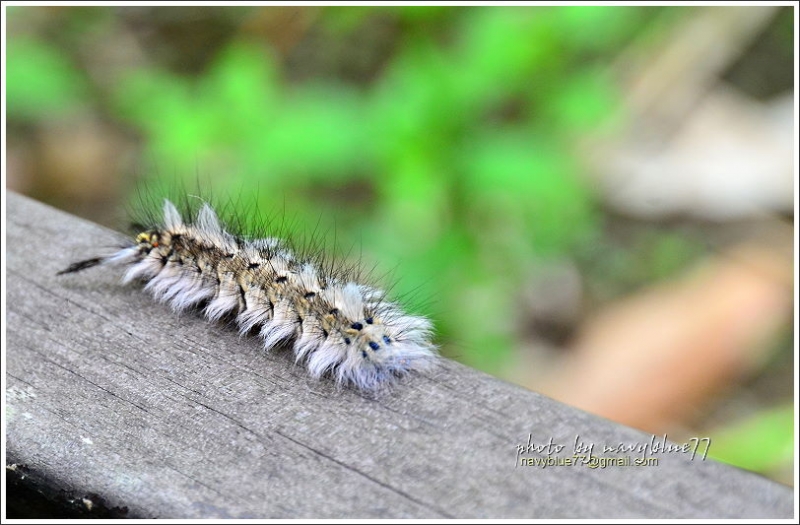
[[163, 415]]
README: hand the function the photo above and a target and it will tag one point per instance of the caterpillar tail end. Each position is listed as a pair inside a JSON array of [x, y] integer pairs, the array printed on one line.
[[82, 265]]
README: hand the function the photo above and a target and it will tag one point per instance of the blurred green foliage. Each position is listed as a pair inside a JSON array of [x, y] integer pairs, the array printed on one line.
[[761, 442], [452, 165], [41, 81], [455, 163]]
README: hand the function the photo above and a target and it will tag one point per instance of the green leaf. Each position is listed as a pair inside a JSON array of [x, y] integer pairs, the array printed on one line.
[[760, 442], [501, 51], [585, 101], [597, 28], [414, 105], [40, 81], [241, 90], [532, 178], [318, 132], [415, 14]]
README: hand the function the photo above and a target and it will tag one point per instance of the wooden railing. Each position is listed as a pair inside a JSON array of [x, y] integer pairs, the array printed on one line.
[[116, 405]]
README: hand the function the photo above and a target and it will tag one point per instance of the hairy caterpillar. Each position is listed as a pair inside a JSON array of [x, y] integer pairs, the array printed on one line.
[[335, 325]]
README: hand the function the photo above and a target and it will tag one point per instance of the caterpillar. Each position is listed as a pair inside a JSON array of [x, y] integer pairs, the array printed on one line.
[[335, 325]]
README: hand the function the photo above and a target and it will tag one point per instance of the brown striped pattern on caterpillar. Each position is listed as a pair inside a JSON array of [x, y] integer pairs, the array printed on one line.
[[336, 326]]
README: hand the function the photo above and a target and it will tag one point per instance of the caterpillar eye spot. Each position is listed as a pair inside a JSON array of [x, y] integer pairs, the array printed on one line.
[[282, 279], [357, 326], [363, 354], [347, 340], [387, 340], [369, 320], [253, 266], [374, 345], [309, 295], [334, 311]]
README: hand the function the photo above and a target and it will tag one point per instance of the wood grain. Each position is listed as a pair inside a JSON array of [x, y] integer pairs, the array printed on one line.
[[111, 397]]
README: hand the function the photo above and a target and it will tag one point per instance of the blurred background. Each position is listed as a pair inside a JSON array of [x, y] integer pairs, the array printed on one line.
[[595, 203]]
